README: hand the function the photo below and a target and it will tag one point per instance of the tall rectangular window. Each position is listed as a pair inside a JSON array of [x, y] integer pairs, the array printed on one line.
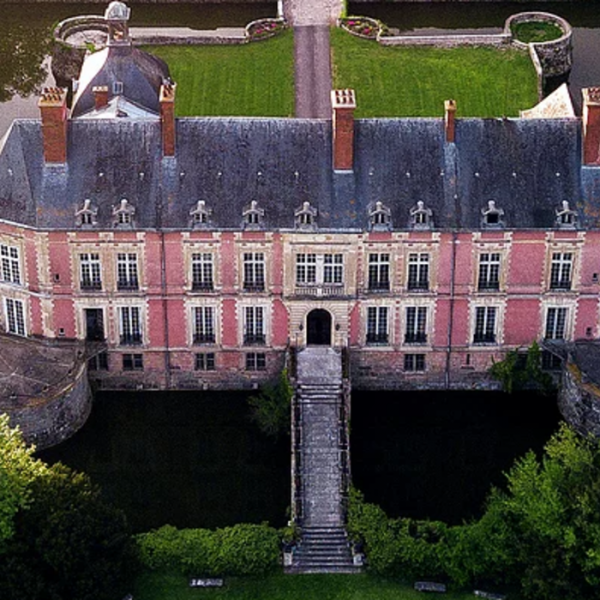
[[11, 266], [254, 271], [202, 271], [254, 326], [377, 325], [416, 325], [15, 319], [418, 271], [489, 271], [89, 264], [127, 271], [204, 324], [130, 325], [306, 269], [561, 269], [485, 325], [379, 272], [333, 269], [556, 322]]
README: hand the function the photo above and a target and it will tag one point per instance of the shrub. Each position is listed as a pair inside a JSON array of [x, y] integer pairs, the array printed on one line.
[[271, 407], [244, 549]]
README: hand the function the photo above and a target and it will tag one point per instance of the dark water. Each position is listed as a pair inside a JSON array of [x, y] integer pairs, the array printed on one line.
[[435, 455], [489, 17], [25, 33], [187, 459]]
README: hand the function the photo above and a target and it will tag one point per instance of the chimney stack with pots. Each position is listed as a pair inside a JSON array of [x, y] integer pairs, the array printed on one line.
[[53, 108], [343, 103], [449, 116], [100, 96], [591, 126], [167, 117]]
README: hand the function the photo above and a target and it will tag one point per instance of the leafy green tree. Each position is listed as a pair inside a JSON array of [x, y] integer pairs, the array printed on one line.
[[62, 540], [18, 468], [271, 408]]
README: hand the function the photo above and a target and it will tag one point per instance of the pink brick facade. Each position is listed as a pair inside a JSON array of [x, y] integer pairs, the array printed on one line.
[[218, 309]]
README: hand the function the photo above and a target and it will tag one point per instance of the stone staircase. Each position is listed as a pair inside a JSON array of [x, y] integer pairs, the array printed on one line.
[[320, 455]]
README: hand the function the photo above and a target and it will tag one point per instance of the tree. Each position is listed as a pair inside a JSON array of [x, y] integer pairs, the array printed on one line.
[[65, 541], [18, 469], [271, 408]]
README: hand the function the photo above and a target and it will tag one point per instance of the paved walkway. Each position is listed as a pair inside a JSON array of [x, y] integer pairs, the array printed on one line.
[[311, 20]]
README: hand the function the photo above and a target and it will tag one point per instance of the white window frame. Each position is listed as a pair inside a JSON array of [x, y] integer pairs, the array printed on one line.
[[254, 325], [561, 270], [253, 271], [377, 325], [553, 328], [90, 271], [485, 324], [10, 271], [202, 266], [418, 271], [131, 329], [488, 274], [378, 272], [416, 319], [127, 271], [318, 270], [306, 268], [14, 312], [204, 324]]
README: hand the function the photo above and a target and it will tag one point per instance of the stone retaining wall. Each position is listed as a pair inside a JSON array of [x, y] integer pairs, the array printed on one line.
[[446, 41], [48, 421], [579, 401]]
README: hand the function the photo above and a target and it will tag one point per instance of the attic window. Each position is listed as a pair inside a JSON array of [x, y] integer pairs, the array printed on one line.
[[117, 88], [421, 217], [380, 216], [253, 216], [86, 216], [200, 214], [565, 217], [306, 216], [123, 215], [492, 216]]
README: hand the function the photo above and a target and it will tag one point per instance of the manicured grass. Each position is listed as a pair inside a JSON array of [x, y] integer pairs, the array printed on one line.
[[536, 31], [415, 81], [255, 79], [155, 586]]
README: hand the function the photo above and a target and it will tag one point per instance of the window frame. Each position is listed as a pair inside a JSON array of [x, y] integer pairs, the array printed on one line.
[[90, 271], [378, 272], [14, 313], [130, 325], [10, 264], [128, 271], [377, 325], [418, 271]]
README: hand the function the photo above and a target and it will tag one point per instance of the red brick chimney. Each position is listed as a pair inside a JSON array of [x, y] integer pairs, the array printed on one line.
[[343, 103], [53, 107], [591, 126], [449, 115], [100, 96], [167, 117]]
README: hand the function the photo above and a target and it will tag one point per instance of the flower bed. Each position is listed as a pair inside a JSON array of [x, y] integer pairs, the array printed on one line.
[[536, 31], [363, 27], [263, 29]]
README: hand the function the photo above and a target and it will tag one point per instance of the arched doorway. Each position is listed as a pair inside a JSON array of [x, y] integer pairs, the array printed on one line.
[[318, 327]]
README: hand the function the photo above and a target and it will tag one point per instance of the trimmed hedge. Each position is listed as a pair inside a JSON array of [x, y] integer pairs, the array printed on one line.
[[243, 549]]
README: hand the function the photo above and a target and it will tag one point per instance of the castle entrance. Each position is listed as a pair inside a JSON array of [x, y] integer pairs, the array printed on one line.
[[318, 327]]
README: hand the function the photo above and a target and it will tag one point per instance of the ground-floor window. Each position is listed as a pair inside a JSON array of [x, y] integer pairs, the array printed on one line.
[[414, 362], [133, 362], [98, 362], [256, 361], [205, 361]]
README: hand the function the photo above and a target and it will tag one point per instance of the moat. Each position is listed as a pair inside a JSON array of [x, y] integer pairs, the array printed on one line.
[[196, 459]]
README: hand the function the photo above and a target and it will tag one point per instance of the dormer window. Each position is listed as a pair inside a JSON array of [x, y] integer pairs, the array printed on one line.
[[86, 216], [565, 217], [200, 215], [117, 88], [253, 216], [492, 217], [123, 215], [380, 217], [306, 216], [421, 217]]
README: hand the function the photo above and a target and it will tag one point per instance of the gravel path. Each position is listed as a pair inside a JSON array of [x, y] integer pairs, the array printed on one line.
[[313, 72]]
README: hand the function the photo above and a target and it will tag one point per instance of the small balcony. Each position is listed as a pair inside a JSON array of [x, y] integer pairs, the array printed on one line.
[[377, 339], [415, 338], [378, 287], [319, 291], [255, 286], [254, 339], [484, 338], [127, 285], [204, 338], [202, 286], [131, 339], [90, 286]]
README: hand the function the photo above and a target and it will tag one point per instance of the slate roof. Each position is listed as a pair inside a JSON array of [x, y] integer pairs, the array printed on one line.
[[528, 167]]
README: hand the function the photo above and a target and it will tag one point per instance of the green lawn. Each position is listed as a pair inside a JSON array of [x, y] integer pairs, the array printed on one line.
[[415, 81], [255, 79], [154, 586]]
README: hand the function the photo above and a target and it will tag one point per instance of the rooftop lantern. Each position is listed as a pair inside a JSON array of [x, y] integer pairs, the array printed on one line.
[[116, 15]]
